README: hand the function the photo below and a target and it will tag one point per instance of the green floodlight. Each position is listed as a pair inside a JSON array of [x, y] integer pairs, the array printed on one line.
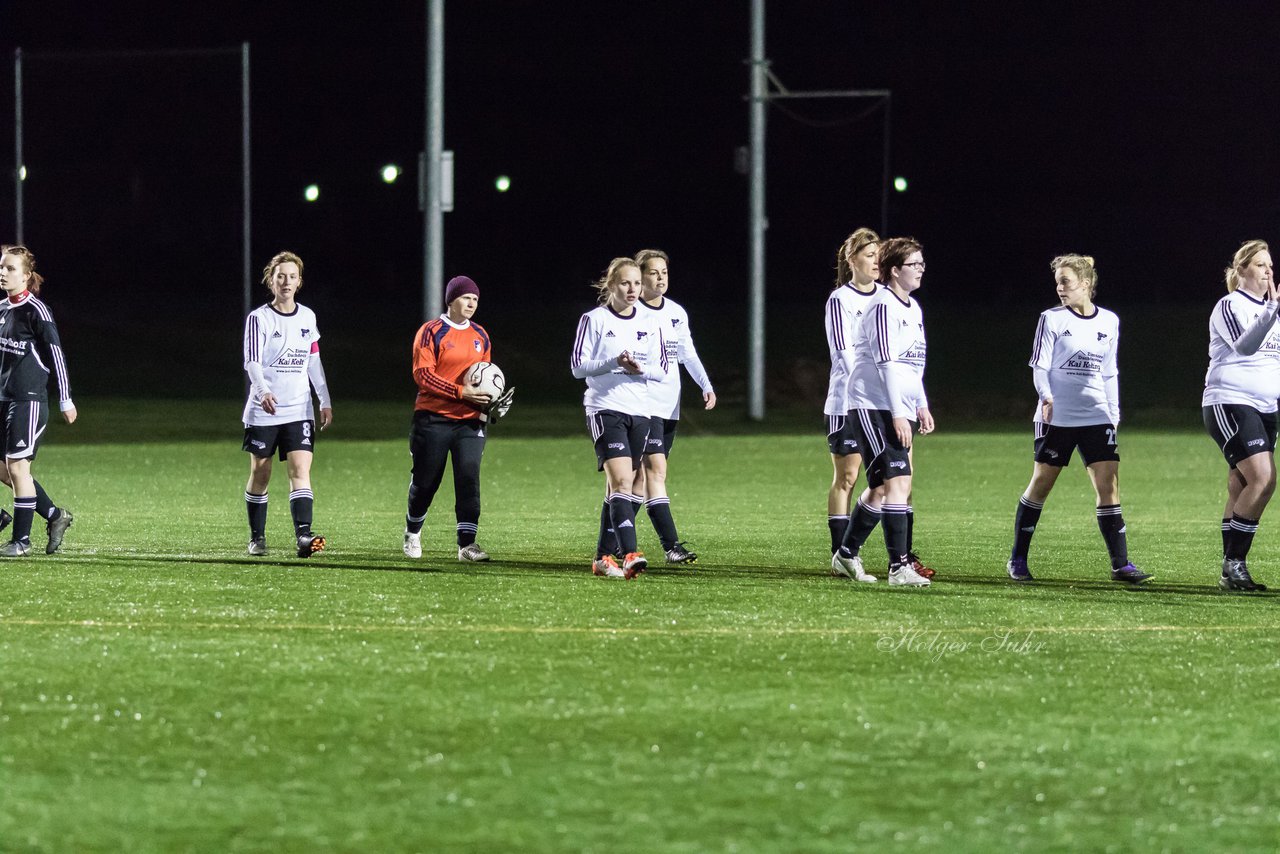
[[502, 183], [900, 184], [390, 173], [311, 193]]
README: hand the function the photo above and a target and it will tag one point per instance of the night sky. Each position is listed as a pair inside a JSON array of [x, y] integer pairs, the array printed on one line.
[[1144, 137]]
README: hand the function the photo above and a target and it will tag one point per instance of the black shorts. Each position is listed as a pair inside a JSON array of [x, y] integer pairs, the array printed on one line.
[[1240, 431], [884, 457], [1097, 444], [618, 435], [263, 440], [842, 435], [662, 435], [24, 423]]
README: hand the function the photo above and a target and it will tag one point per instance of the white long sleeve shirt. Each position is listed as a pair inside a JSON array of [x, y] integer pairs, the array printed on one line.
[[1244, 353], [602, 336], [1073, 361], [673, 320]]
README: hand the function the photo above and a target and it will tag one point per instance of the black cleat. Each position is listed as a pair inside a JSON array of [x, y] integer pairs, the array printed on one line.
[[5, 519], [57, 529], [679, 554], [309, 544], [1129, 574], [258, 546], [1235, 576]]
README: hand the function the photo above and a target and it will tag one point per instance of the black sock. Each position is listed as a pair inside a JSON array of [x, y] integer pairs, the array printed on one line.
[[257, 507], [894, 521], [660, 515], [622, 513], [1226, 532], [467, 533], [1239, 539], [44, 505], [836, 525], [911, 529], [607, 542], [24, 510], [861, 524], [1024, 526], [1111, 524], [301, 504]]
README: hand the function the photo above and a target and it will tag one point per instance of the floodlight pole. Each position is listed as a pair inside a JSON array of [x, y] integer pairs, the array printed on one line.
[[759, 222], [433, 212]]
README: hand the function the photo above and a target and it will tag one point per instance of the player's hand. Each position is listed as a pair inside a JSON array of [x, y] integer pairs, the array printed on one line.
[[268, 403], [902, 427], [628, 363], [926, 421], [326, 417], [478, 399], [1046, 411], [710, 398], [499, 408], [70, 415]]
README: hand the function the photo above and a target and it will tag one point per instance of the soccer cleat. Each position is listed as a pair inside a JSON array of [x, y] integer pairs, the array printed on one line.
[[472, 554], [57, 529], [13, 548], [1129, 574], [850, 567], [1235, 576], [918, 565], [679, 554], [607, 567], [413, 545], [1018, 570], [309, 544], [5, 519], [258, 546], [634, 564], [903, 575]]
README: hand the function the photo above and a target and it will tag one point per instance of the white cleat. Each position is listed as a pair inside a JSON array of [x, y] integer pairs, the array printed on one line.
[[472, 554], [850, 567], [905, 575], [413, 545]]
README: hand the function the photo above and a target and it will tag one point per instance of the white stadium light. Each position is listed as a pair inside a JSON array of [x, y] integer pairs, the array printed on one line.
[[311, 193], [390, 173]]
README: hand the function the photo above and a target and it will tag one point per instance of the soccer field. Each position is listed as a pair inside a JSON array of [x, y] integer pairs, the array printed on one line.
[[161, 691]]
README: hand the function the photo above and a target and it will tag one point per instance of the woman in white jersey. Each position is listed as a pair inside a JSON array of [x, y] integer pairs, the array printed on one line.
[[651, 478], [857, 268], [887, 398], [1074, 370], [618, 350], [282, 359], [1239, 402]]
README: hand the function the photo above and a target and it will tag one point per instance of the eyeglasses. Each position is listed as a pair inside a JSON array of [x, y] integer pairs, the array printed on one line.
[[919, 265]]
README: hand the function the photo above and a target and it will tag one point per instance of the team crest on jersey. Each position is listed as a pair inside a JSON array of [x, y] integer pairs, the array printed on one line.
[[675, 321], [1101, 335], [479, 347], [306, 333], [641, 335]]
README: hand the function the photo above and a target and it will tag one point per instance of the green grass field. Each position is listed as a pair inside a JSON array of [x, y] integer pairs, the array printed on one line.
[[162, 691]]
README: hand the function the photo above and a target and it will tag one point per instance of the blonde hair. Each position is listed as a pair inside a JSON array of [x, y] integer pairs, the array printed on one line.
[[646, 255], [1241, 260], [278, 259], [853, 244], [611, 277], [28, 261], [1082, 266]]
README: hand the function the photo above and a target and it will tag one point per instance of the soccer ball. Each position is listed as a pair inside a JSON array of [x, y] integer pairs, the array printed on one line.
[[487, 378]]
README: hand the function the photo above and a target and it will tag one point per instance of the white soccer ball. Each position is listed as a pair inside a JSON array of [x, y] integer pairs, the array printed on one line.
[[486, 378]]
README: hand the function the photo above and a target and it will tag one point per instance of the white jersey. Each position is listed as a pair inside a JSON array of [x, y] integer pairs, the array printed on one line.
[[673, 320], [845, 308], [1079, 355], [1244, 353], [286, 348], [889, 356], [602, 336]]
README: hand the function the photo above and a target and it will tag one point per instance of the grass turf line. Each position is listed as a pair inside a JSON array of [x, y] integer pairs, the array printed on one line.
[[161, 690]]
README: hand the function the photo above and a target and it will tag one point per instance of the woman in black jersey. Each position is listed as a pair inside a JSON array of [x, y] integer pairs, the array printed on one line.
[[29, 352]]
